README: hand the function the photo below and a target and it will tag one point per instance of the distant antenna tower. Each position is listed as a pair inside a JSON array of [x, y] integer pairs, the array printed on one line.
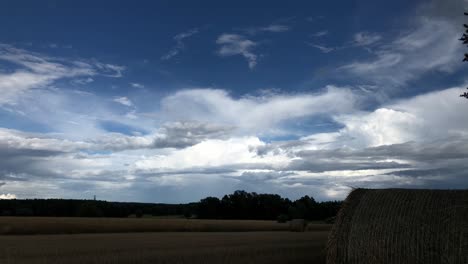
[[94, 197]]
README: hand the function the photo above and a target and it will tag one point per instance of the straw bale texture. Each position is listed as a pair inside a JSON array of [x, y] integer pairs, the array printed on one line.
[[401, 226]]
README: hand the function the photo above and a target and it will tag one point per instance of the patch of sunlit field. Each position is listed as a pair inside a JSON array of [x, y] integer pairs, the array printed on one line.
[[64, 225], [166, 247]]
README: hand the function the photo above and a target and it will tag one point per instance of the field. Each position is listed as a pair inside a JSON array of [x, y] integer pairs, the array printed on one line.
[[167, 247], [148, 246], [64, 225]]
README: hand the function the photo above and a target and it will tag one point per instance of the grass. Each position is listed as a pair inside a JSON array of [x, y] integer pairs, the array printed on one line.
[[166, 247], [63, 225]]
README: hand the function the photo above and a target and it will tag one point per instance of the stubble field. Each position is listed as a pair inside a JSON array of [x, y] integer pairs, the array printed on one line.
[[56, 240]]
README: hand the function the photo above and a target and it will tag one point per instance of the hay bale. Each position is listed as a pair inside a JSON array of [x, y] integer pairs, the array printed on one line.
[[297, 225], [401, 226]]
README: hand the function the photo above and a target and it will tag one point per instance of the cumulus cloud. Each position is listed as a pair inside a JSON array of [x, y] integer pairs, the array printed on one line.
[[396, 145], [255, 114], [179, 39], [199, 142], [234, 44], [428, 116]]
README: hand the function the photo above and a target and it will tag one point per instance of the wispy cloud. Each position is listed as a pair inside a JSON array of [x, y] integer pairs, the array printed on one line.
[[234, 44], [123, 100], [275, 28], [314, 18], [366, 38], [323, 49], [320, 33], [360, 39], [83, 81], [110, 70], [272, 28], [179, 39], [137, 85], [430, 45], [35, 70]]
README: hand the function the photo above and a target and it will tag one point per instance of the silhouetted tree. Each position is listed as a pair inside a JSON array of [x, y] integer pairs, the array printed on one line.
[[89, 210], [464, 38], [209, 208], [238, 205], [139, 213]]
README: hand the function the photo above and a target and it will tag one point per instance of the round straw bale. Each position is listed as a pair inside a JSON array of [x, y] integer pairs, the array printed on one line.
[[401, 226]]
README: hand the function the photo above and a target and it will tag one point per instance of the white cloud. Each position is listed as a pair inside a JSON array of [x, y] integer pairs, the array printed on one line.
[[221, 145], [360, 39], [276, 28], [366, 38], [179, 39], [7, 196], [110, 70], [233, 44], [424, 118], [137, 85], [39, 71], [17, 140], [212, 153], [314, 18], [323, 49], [320, 33], [431, 45], [83, 81], [272, 28], [123, 100], [255, 114]]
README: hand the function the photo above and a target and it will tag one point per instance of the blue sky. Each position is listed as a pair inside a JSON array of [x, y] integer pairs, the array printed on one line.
[[172, 101]]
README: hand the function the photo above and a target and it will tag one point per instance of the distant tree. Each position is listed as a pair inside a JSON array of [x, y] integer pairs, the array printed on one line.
[[139, 213], [209, 208], [89, 209], [464, 39], [282, 218], [304, 208]]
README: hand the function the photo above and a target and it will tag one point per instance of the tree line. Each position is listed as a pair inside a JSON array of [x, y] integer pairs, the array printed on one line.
[[238, 205], [245, 205]]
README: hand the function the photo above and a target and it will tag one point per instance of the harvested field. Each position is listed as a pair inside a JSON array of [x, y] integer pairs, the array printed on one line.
[[168, 247], [69, 225]]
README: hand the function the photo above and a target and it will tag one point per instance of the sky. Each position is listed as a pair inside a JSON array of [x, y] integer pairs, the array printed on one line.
[[174, 101]]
